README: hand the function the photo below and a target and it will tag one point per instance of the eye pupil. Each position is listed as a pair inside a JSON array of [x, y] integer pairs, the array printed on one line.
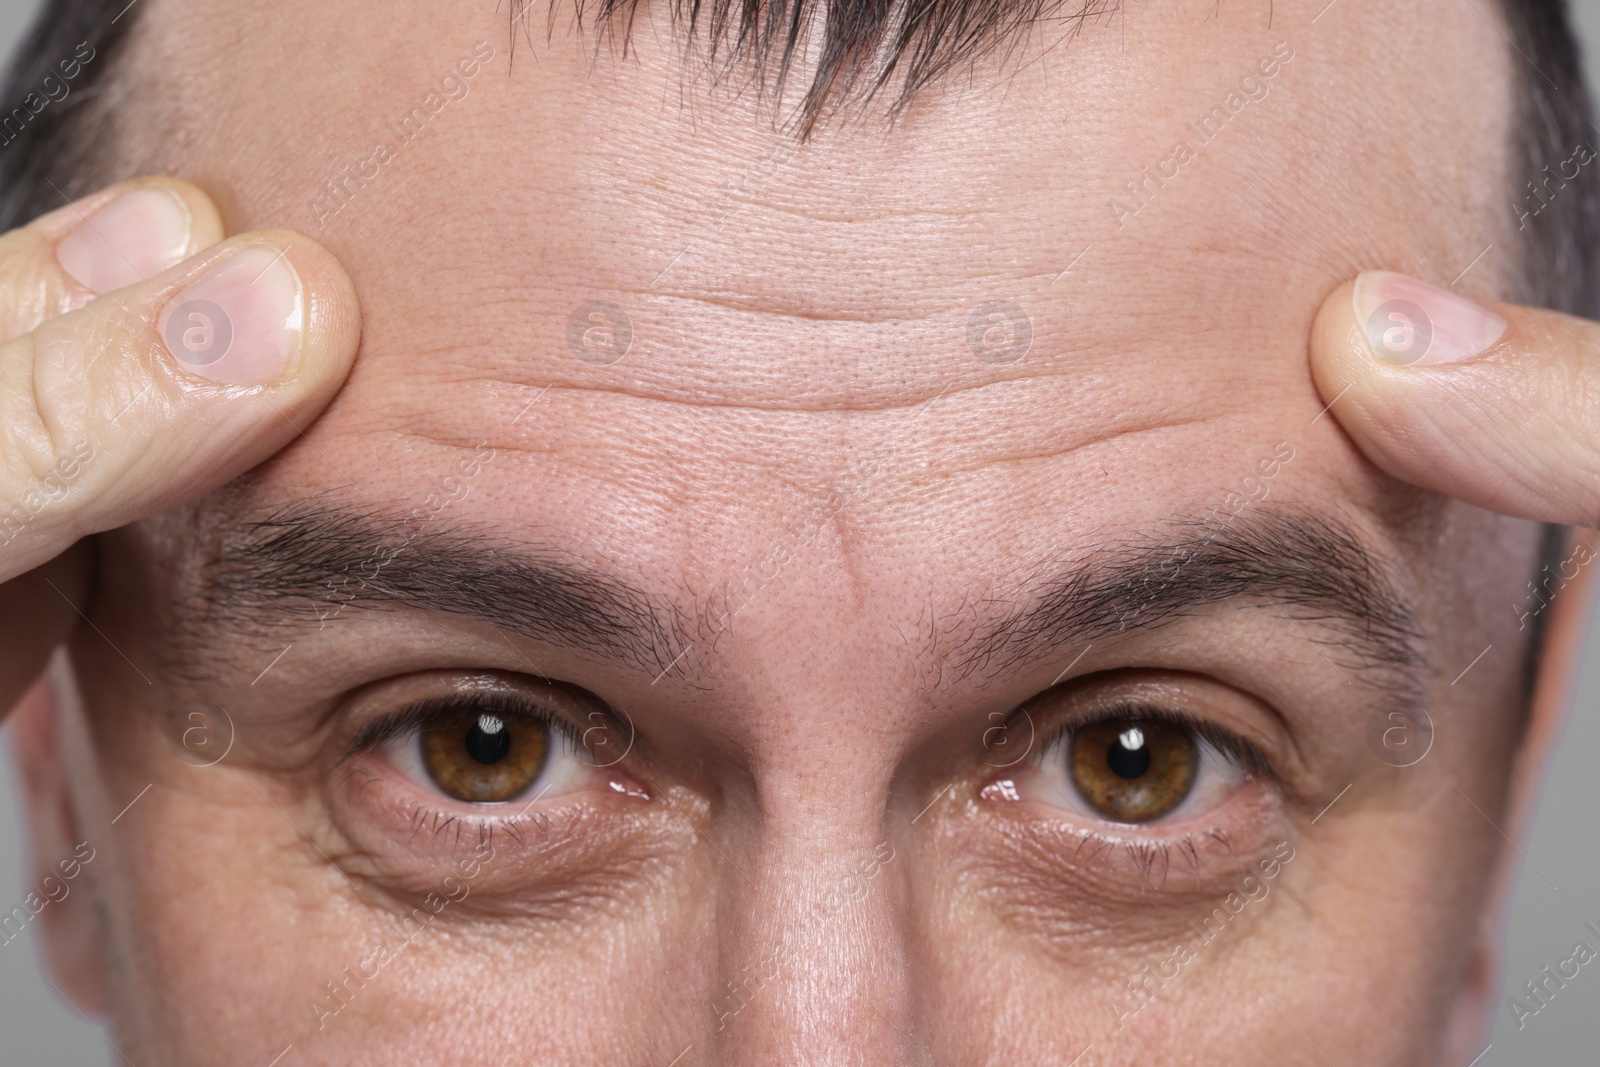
[[488, 741], [1130, 756]]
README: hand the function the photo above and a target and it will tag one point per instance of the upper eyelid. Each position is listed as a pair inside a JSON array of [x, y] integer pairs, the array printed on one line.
[[1228, 743], [409, 721]]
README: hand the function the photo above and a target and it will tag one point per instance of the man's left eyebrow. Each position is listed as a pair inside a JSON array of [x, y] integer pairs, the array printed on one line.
[[1311, 570]]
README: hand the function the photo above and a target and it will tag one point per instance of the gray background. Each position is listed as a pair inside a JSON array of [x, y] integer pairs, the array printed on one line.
[[36, 1027]]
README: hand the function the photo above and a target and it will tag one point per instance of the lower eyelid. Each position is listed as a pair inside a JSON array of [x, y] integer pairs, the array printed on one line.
[[522, 827], [545, 862], [1047, 870], [399, 822]]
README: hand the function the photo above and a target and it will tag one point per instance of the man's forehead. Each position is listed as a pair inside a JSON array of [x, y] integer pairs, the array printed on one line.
[[656, 291]]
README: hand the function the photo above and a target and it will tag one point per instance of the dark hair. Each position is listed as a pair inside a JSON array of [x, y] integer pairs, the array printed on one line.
[[1557, 216], [867, 46], [58, 152]]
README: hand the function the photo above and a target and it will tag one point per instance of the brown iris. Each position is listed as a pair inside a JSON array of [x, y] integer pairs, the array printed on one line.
[[1133, 770], [479, 756]]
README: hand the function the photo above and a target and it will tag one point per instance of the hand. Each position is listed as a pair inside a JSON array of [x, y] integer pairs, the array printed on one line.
[[1495, 404], [139, 372]]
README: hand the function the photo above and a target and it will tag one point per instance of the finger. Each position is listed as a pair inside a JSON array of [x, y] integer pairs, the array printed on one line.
[[165, 390], [1497, 405], [119, 236]]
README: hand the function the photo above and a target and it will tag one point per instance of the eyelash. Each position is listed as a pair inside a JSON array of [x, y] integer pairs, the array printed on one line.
[[423, 714], [1230, 745]]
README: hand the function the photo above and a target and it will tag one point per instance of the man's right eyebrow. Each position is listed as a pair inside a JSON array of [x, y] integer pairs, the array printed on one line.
[[305, 567]]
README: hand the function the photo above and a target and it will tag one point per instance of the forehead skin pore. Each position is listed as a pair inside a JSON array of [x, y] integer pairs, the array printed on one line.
[[804, 356]]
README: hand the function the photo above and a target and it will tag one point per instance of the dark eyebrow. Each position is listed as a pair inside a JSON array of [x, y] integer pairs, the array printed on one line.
[[1311, 570], [310, 566]]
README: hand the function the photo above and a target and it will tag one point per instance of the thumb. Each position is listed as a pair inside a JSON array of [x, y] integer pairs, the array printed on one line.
[[157, 393], [1497, 405]]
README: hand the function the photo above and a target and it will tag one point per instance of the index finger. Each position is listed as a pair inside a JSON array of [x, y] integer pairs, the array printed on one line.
[[1494, 404]]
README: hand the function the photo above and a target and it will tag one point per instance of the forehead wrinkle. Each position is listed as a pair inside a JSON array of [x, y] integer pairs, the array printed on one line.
[[1046, 412], [823, 360]]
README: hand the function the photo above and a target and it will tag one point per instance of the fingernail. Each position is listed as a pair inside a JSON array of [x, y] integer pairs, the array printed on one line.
[[240, 323], [1410, 322], [137, 235]]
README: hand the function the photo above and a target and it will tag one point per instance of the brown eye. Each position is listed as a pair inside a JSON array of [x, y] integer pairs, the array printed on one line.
[[1133, 770], [483, 756]]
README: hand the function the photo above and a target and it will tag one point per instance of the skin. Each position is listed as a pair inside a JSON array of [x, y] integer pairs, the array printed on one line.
[[815, 778]]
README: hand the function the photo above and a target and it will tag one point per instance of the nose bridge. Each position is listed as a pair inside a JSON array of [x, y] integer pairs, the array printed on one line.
[[813, 958]]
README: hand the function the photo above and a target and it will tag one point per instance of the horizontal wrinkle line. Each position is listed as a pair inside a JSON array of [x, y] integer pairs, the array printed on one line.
[[907, 216], [720, 301], [906, 405]]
